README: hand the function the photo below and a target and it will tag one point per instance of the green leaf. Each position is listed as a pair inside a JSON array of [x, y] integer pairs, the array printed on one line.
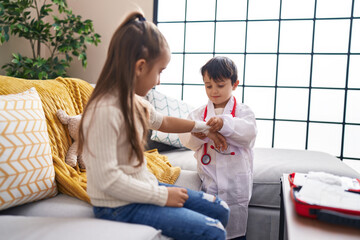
[[19, 26], [28, 72], [75, 53], [1, 9], [56, 27], [27, 13], [29, 60]]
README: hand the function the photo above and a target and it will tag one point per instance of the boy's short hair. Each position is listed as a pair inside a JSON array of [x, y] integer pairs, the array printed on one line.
[[219, 68]]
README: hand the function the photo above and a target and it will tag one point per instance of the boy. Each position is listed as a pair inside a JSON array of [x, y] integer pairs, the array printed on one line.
[[225, 172]]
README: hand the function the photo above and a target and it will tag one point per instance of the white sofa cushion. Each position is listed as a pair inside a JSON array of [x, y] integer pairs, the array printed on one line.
[[183, 158], [189, 179], [61, 205], [43, 228]]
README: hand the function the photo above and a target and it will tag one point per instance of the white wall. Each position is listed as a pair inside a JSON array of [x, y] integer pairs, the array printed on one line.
[[106, 16]]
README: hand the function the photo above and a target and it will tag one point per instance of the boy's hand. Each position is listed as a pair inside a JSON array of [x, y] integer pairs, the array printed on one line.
[[219, 140], [199, 135], [176, 197], [216, 123]]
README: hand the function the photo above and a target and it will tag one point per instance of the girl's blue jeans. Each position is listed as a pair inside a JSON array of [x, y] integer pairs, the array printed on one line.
[[203, 216]]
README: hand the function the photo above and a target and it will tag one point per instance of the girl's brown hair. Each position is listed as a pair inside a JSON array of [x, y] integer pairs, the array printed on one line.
[[134, 39]]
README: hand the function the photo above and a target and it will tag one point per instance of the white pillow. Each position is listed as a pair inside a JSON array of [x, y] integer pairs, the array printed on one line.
[[26, 169], [171, 107]]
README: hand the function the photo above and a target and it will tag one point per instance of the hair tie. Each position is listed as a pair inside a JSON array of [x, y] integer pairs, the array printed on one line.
[[141, 18]]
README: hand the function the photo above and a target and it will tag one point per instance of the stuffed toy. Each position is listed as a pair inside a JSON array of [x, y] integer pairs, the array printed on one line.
[[73, 123]]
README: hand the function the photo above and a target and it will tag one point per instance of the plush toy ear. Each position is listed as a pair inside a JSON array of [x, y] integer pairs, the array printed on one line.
[[64, 118]]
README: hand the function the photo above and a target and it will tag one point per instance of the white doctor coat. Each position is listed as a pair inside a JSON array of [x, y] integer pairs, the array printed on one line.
[[228, 176]]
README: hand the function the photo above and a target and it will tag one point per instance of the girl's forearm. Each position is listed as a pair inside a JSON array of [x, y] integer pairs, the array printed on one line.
[[176, 125]]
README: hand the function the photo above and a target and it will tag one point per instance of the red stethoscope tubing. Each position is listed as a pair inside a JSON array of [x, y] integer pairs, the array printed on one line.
[[230, 153], [206, 158]]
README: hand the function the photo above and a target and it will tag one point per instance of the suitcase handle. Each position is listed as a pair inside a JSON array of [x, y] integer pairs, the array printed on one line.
[[336, 217]]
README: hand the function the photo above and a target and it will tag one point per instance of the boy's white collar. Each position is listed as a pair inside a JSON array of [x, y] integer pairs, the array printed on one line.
[[227, 110]]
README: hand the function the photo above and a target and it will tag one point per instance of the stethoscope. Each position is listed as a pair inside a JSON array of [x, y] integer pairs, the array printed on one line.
[[206, 159]]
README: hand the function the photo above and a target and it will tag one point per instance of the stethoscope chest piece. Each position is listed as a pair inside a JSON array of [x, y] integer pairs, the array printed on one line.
[[205, 159]]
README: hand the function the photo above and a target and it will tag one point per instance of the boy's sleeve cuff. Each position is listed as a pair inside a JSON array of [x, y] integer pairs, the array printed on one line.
[[228, 126]]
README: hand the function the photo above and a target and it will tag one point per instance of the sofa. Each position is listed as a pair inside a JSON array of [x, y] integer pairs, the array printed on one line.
[[64, 212]]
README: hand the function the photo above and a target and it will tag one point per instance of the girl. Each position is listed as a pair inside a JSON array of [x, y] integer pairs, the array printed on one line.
[[112, 136]]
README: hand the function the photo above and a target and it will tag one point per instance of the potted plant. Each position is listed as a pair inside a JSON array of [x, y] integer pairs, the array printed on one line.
[[45, 24]]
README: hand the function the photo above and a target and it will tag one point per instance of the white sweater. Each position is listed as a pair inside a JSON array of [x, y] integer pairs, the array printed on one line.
[[112, 180]]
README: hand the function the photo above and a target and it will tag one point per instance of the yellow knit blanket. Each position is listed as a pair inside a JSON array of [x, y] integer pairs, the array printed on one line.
[[71, 95], [160, 166]]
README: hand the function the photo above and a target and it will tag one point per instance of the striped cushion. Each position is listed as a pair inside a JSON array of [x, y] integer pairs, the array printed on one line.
[[170, 107], [26, 168]]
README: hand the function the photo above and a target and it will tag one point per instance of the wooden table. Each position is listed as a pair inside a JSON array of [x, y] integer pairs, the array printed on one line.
[[294, 226]]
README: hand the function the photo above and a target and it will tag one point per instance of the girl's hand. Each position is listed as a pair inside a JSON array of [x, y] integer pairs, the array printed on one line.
[[219, 140], [199, 135], [176, 197], [216, 123]]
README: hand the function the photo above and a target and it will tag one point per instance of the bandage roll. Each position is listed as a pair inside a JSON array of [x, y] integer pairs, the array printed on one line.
[[201, 127]]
